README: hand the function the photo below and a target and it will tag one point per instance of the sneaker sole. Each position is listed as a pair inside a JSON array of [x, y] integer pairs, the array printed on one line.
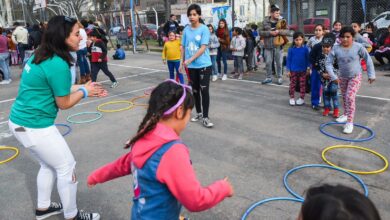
[[48, 215]]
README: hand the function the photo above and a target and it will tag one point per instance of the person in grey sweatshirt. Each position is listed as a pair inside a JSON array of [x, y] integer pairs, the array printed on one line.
[[348, 55], [213, 48], [237, 45]]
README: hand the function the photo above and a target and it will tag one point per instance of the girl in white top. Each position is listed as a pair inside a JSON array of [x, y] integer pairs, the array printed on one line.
[[317, 38]]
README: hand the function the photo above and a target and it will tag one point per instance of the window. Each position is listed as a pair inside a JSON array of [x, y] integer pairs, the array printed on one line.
[[307, 21]]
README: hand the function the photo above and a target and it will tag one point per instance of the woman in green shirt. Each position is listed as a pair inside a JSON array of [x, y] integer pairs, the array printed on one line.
[[44, 88]]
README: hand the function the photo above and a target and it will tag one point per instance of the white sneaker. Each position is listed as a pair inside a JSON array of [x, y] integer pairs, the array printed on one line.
[[292, 102], [5, 82], [348, 128], [300, 101], [215, 78], [224, 77], [197, 117], [342, 119]]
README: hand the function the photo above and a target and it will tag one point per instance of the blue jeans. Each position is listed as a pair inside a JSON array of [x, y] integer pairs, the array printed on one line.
[[330, 94], [222, 54], [214, 67], [4, 65], [315, 87], [172, 65], [82, 61]]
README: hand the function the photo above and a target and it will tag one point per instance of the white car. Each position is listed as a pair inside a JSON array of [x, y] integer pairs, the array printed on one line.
[[381, 21]]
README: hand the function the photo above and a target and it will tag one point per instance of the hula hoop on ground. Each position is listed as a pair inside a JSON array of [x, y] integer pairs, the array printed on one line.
[[100, 107], [99, 115], [133, 100], [148, 91], [359, 148], [358, 179], [250, 209], [66, 126], [372, 133], [13, 156]]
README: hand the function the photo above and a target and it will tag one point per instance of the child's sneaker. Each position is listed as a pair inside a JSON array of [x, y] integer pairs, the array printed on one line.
[[292, 102], [114, 84], [197, 117], [300, 101], [224, 77], [207, 123], [336, 113], [280, 81], [348, 128], [326, 112], [240, 77], [215, 78], [342, 119], [266, 81], [54, 209], [83, 215]]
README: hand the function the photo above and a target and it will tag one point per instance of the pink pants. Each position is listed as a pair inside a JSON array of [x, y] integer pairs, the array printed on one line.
[[349, 88], [298, 77]]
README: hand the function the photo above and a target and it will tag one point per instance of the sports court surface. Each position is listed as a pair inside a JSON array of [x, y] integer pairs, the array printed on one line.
[[256, 139]]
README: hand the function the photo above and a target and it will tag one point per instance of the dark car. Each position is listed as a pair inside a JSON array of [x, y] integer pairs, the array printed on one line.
[[310, 23]]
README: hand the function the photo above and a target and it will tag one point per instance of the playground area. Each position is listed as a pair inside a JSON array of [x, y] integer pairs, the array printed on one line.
[[256, 139]]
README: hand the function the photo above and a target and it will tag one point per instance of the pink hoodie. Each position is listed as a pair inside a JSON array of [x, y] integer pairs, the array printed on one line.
[[175, 170]]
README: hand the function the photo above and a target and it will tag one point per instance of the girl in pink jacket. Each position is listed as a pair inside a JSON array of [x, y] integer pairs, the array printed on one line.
[[164, 178]]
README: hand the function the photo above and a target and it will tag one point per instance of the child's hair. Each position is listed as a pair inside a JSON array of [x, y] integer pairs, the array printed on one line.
[[212, 27], [357, 22], [249, 33], [118, 46], [194, 7], [162, 98], [371, 25], [296, 35], [180, 29], [320, 25], [335, 22], [254, 27], [347, 29], [337, 203], [238, 30], [173, 32]]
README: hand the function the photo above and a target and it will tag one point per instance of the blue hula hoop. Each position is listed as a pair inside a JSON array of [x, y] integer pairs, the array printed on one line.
[[66, 126], [99, 115], [358, 179], [346, 139], [261, 202]]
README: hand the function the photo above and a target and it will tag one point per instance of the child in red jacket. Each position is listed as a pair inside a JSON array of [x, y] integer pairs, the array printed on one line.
[[164, 178], [98, 51]]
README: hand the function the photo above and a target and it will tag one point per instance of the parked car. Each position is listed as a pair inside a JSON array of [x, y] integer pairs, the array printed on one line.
[[381, 21], [114, 30], [310, 23], [149, 31]]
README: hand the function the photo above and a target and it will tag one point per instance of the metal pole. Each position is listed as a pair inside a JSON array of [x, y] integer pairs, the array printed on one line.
[[233, 14], [156, 17], [24, 13], [133, 26], [289, 12]]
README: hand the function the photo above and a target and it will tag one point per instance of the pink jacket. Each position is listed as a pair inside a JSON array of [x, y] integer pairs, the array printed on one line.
[[175, 170]]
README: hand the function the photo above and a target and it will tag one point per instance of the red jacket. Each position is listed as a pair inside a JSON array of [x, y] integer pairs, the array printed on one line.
[[175, 170], [98, 51]]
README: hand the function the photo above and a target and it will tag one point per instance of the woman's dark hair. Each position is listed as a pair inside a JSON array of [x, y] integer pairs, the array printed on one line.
[[226, 26], [347, 29], [335, 22], [180, 29], [238, 30], [84, 23], [53, 40], [36, 27], [339, 202], [211, 26], [163, 97], [195, 7], [320, 25]]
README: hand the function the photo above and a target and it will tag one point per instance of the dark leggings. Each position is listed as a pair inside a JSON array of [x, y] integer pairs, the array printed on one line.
[[95, 67], [200, 82]]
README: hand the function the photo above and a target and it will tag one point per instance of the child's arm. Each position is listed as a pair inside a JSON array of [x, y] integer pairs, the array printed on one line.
[[307, 59], [175, 170], [164, 56], [288, 61], [370, 65], [241, 45], [329, 65], [118, 168]]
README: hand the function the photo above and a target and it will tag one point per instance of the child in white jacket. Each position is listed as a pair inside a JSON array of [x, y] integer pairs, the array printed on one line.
[[237, 45]]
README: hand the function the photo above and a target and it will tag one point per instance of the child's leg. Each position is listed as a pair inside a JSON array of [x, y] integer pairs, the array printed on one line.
[[326, 95], [333, 87], [315, 87], [240, 65], [105, 70], [94, 71], [177, 66], [293, 83], [352, 89], [235, 64], [343, 87], [195, 84], [204, 84], [214, 65], [171, 68], [302, 84]]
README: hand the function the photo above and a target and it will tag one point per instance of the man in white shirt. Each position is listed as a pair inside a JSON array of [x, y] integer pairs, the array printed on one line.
[[20, 38]]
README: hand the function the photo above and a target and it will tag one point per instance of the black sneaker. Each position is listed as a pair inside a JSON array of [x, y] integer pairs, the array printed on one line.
[[315, 107], [207, 123], [83, 215], [197, 117], [54, 209]]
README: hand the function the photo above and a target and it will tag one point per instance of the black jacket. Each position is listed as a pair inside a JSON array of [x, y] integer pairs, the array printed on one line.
[[167, 26]]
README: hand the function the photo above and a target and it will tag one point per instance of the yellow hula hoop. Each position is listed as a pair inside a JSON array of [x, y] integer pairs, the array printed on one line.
[[100, 107], [13, 156], [133, 100], [359, 148]]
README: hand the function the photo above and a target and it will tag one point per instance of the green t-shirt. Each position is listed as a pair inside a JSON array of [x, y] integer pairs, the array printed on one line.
[[35, 106]]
